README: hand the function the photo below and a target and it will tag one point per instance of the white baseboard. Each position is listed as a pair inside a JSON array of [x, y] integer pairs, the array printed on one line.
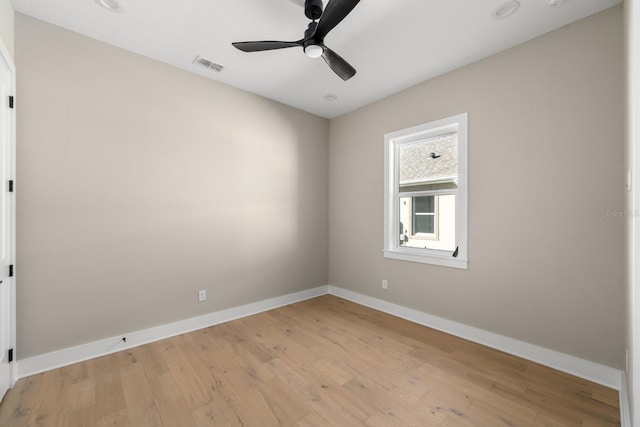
[[595, 372], [591, 371], [625, 413], [68, 356]]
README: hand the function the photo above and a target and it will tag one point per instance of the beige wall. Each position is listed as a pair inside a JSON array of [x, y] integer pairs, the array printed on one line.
[[546, 147], [139, 184], [6, 24]]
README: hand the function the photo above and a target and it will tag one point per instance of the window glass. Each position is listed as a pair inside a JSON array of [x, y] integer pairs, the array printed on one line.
[[428, 171]]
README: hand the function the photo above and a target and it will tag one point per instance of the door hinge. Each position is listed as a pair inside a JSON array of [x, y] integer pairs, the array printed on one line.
[[455, 253], [11, 270], [10, 101], [10, 355], [10, 186]]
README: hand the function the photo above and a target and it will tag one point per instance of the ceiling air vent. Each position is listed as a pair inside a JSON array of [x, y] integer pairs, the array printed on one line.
[[208, 64]]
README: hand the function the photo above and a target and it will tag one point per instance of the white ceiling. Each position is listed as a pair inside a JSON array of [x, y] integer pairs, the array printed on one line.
[[393, 44]]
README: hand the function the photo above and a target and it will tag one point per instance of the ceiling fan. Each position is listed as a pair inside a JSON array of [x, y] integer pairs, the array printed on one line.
[[313, 41]]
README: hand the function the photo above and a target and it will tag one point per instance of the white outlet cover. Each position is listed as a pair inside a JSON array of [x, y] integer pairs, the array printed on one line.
[[202, 295]]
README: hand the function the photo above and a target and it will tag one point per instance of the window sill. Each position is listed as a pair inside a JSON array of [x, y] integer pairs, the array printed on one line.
[[445, 261]]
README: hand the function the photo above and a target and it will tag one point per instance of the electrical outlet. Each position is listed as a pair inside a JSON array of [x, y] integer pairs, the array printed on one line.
[[202, 295], [385, 284]]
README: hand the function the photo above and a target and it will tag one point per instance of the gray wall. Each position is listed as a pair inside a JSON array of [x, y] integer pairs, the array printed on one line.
[[139, 184], [546, 160], [7, 24]]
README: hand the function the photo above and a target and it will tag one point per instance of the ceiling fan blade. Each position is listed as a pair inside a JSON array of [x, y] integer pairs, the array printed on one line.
[[339, 66], [264, 45], [333, 14]]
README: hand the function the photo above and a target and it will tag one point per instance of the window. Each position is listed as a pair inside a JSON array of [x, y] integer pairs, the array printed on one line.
[[426, 193], [423, 216]]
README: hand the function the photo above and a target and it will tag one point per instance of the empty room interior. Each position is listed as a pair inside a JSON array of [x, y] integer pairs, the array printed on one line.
[[308, 213]]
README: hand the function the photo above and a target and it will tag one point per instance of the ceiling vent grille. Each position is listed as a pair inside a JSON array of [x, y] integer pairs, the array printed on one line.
[[208, 64]]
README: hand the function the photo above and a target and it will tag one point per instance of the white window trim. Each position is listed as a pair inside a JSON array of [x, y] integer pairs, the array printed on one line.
[[392, 249]]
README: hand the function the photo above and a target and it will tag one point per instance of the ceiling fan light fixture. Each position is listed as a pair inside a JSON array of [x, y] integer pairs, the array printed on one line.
[[111, 5], [506, 9], [313, 51]]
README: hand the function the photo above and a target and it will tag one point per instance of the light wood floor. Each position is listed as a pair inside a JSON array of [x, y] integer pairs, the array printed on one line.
[[322, 362]]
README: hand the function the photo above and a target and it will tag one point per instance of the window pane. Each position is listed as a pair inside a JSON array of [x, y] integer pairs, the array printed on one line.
[[428, 230], [424, 204], [429, 164], [424, 224]]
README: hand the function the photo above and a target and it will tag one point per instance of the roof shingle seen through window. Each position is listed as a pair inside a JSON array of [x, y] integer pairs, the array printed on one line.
[[417, 166]]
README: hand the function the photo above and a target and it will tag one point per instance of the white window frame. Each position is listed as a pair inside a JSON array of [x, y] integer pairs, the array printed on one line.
[[392, 142]]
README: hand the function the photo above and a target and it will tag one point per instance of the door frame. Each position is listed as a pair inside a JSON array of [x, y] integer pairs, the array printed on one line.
[[7, 60]]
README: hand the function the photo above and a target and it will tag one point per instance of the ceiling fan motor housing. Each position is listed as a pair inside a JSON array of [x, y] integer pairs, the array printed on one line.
[[313, 9]]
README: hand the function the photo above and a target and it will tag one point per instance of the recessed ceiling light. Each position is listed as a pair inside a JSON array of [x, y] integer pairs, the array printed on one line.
[[554, 3], [111, 5], [331, 97], [506, 9]]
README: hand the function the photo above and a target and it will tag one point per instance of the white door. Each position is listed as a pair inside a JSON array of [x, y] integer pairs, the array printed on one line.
[[6, 122]]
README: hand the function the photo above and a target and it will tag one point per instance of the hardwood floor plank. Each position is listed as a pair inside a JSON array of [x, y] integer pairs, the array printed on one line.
[[176, 413], [15, 404], [491, 396], [335, 371], [164, 388], [44, 412], [142, 408], [314, 396], [210, 415], [287, 406], [118, 418], [82, 417], [606, 395], [394, 410], [109, 397], [194, 392], [80, 395], [252, 407], [321, 362], [313, 420]]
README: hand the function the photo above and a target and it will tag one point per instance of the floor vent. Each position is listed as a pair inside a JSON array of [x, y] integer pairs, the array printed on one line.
[[208, 64]]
